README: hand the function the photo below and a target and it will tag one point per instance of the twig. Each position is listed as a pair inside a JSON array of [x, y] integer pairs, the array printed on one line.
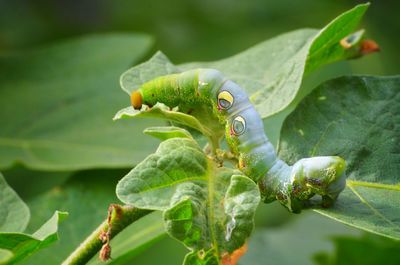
[[119, 217]]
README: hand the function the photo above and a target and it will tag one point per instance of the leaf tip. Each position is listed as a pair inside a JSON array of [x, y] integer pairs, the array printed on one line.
[[62, 215]]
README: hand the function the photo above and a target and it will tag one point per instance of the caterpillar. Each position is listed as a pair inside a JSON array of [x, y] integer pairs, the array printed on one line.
[[206, 93]]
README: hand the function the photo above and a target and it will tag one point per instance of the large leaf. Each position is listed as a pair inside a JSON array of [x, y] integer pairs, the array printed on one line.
[[271, 72], [156, 66], [295, 242], [358, 119], [68, 94], [22, 245], [14, 214], [209, 209], [18, 176], [86, 196], [14, 217]]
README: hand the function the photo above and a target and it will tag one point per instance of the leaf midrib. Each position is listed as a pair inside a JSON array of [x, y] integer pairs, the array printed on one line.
[[211, 216], [371, 185], [172, 184], [352, 183], [395, 187], [372, 208]]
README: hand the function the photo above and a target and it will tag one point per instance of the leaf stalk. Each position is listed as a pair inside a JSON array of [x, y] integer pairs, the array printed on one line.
[[119, 217]]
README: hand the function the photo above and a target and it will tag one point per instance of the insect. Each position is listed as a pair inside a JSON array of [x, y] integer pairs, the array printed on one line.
[[205, 92]]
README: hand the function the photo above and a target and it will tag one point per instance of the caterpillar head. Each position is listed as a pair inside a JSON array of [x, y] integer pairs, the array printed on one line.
[[136, 99]]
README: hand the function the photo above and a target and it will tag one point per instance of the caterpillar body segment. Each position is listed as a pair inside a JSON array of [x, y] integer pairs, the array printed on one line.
[[193, 92], [247, 140], [187, 90], [212, 99]]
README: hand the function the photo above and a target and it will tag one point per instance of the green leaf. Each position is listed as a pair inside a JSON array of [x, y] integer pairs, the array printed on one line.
[[39, 181], [164, 133], [164, 112], [296, 241], [14, 214], [86, 196], [14, 217], [70, 93], [22, 245], [367, 250], [156, 66], [272, 71], [358, 119], [209, 209], [152, 183]]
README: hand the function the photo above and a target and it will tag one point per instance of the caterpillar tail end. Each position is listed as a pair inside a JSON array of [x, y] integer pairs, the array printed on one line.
[[324, 176], [136, 100]]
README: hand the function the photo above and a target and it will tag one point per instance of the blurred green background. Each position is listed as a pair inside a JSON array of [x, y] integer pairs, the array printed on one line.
[[193, 30], [201, 30]]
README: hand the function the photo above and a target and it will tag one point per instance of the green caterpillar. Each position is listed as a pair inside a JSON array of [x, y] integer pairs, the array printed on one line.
[[205, 94]]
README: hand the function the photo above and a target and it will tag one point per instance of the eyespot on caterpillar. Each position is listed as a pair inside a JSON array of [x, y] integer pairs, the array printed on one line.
[[225, 100], [136, 100], [238, 126]]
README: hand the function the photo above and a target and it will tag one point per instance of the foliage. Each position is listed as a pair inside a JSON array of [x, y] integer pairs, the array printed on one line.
[[362, 128], [286, 68], [85, 214], [275, 81], [183, 182], [71, 95], [14, 244], [71, 98]]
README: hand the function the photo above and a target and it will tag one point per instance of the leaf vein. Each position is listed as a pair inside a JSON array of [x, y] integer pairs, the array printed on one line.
[[374, 210]]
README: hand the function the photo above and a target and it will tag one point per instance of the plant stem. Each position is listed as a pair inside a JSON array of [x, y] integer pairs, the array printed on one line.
[[119, 217]]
